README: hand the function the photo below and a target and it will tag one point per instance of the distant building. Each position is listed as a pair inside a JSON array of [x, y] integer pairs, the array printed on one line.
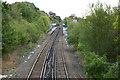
[[74, 20]]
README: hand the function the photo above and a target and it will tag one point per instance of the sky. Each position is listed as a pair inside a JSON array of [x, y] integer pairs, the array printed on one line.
[[65, 8]]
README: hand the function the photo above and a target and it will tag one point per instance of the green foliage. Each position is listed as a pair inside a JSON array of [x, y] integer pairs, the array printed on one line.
[[72, 39], [22, 23], [27, 10], [96, 35], [98, 67], [54, 18], [112, 71], [95, 32], [9, 37], [102, 29], [95, 66], [0, 29], [116, 25], [66, 21], [44, 23]]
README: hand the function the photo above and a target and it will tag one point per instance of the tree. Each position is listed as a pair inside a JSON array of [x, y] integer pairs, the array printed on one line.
[[44, 22], [54, 18], [22, 23]]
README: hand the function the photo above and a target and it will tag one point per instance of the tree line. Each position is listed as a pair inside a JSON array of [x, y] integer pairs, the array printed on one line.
[[23, 23], [97, 38]]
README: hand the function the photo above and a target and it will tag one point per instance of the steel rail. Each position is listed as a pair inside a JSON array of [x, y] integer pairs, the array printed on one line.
[[36, 60], [42, 76], [63, 59]]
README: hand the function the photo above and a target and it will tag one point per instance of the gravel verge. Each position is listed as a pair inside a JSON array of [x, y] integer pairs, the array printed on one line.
[[73, 61]]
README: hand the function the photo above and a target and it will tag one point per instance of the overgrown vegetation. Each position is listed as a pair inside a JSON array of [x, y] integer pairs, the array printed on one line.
[[22, 23], [54, 18], [96, 37]]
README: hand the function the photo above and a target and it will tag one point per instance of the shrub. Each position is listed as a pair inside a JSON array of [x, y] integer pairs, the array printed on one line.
[[95, 66], [112, 71], [98, 67], [22, 23]]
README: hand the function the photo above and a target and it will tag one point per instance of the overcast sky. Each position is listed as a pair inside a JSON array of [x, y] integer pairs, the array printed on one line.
[[65, 8]]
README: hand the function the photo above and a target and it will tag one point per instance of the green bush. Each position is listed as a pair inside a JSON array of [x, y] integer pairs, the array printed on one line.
[[113, 71], [73, 34], [98, 67], [95, 35], [95, 66], [44, 23], [22, 23], [95, 32]]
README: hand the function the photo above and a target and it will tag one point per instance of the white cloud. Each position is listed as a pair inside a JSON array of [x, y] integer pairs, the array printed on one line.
[[65, 8]]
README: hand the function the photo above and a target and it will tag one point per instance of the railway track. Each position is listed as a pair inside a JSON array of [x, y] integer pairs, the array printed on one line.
[[55, 66], [50, 62], [60, 64], [37, 66]]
